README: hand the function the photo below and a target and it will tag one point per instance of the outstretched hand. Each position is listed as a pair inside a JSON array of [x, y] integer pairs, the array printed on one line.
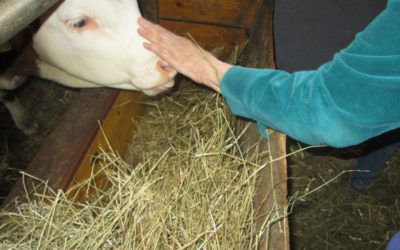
[[183, 55]]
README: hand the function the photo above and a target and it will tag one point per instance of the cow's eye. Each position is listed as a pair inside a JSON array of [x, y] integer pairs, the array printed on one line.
[[82, 24], [78, 23]]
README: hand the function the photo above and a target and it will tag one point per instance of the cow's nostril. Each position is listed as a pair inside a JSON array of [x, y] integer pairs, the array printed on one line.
[[164, 66]]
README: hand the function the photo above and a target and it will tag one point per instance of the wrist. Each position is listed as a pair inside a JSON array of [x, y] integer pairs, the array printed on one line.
[[216, 72]]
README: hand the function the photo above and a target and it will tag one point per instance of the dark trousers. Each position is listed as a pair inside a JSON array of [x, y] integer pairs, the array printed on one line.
[[370, 165]]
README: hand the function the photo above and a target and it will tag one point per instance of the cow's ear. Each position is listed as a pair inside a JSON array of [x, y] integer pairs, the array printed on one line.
[[82, 23]]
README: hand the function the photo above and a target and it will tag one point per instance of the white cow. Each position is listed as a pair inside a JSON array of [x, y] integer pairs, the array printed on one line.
[[85, 44]]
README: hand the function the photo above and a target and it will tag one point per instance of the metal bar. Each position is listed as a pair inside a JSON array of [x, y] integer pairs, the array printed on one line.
[[17, 14]]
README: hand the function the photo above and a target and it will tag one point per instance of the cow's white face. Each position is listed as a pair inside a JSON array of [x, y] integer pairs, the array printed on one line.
[[97, 41]]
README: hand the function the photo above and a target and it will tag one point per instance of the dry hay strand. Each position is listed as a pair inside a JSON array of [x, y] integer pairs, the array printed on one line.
[[187, 186]]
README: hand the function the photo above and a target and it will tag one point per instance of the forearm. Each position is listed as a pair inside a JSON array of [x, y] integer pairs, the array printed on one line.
[[334, 106], [344, 102]]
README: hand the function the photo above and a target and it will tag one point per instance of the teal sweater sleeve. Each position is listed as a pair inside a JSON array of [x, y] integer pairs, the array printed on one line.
[[346, 101]]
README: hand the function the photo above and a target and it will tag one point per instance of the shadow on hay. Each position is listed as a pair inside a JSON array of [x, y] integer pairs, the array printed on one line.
[[47, 102], [337, 216]]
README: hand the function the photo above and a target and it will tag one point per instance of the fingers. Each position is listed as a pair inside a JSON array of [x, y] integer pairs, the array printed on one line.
[[152, 48], [159, 50], [154, 33], [160, 41], [146, 33], [143, 22], [146, 25], [146, 30]]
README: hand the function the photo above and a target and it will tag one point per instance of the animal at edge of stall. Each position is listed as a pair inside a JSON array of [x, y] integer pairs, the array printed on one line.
[[87, 44]]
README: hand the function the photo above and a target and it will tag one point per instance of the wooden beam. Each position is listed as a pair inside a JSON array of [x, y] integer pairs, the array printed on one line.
[[63, 148], [65, 155], [271, 191], [239, 14], [116, 132]]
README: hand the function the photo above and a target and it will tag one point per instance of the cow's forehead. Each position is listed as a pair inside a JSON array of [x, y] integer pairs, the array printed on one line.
[[93, 4], [112, 10]]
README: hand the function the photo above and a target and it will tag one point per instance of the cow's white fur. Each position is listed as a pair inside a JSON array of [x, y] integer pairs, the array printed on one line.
[[110, 55]]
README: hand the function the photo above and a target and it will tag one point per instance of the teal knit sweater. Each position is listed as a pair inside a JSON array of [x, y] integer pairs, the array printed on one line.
[[344, 102]]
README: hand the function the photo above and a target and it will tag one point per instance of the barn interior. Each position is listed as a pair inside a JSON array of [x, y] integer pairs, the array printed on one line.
[[310, 186]]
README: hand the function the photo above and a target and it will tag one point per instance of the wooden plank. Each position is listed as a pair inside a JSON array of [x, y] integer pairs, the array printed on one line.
[[259, 51], [209, 36], [63, 148], [271, 191], [235, 13], [117, 131], [68, 149]]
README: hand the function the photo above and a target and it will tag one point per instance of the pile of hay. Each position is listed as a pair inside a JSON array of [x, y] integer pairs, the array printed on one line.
[[187, 185]]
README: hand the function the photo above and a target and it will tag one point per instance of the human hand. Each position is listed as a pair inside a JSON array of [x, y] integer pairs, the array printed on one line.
[[183, 55]]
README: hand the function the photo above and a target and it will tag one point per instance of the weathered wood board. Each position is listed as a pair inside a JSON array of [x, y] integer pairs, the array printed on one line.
[[213, 24], [116, 133], [271, 191]]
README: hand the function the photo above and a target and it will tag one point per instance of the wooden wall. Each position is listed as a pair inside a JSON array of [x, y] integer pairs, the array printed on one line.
[[213, 23]]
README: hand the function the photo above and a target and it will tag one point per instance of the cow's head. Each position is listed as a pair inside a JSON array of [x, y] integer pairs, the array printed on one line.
[[97, 41]]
